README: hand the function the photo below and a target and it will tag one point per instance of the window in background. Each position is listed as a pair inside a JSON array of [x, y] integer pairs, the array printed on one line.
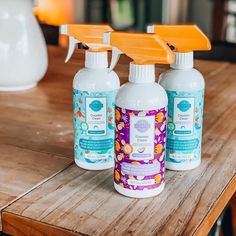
[[122, 13], [231, 22]]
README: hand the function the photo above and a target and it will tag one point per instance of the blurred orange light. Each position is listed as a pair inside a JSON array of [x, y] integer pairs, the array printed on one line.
[[55, 12]]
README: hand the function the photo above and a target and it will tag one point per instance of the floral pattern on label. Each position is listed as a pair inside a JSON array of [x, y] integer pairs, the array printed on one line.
[[94, 126], [140, 146]]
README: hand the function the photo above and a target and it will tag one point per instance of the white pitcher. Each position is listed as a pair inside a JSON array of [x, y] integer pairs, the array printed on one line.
[[23, 52]]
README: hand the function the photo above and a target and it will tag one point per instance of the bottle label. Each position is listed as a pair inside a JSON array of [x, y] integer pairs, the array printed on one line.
[[140, 148], [184, 129], [94, 126]]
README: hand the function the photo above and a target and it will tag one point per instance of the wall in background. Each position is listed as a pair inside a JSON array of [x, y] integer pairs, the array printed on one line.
[[175, 11], [200, 12], [80, 11], [189, 11]]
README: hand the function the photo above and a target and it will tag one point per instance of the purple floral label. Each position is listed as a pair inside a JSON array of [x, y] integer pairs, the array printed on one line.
[[140, 148]]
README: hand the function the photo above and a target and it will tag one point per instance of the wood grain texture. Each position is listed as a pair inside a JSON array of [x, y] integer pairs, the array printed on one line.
[[21, 170], [19, 227], [223, 199], [85, 202]]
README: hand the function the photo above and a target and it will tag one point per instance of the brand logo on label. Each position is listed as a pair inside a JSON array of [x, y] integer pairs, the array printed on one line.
[[142, 126], [184, 106], [96, 105]]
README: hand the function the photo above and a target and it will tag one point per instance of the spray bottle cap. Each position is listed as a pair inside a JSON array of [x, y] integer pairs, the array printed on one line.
[[89, 35], [142, 48], [182, 38]]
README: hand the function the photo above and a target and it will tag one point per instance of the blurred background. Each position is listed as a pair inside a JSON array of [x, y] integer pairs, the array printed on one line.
[[217, 18]]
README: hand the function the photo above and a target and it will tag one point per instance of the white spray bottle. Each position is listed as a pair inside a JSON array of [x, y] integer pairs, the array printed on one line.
[[141, 116], [94, 91], [185, 89]]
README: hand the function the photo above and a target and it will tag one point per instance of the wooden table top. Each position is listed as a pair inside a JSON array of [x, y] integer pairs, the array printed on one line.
[[38, 124]]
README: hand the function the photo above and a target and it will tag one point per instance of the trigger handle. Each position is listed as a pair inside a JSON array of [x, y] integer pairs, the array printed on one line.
[[72, 44]]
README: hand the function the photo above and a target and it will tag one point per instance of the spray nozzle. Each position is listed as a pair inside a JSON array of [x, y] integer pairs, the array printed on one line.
[[83, 46], [142, 48], [182, 38], [115, 51], [89, 37]]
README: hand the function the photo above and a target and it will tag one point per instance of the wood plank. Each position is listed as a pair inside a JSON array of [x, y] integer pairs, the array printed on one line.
[[20, 227], [21, 170], [208, 222], [86, 209], [85, 202], [47, 132]]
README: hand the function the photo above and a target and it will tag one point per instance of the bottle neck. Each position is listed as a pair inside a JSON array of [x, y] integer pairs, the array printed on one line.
[[183, 60], [96, 60], [141, 74]]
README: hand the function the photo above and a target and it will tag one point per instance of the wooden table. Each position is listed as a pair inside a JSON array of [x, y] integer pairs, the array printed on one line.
[[37, 124]]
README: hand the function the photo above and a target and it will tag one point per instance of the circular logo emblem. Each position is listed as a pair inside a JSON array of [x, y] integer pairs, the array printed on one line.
[[142, 126]]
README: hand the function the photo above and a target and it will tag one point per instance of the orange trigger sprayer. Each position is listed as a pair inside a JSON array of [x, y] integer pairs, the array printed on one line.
[[183, 38], [142, 48], [90, 35]]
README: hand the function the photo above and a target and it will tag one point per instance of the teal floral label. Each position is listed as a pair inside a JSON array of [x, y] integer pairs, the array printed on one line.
[[94, 126], [184, 128]]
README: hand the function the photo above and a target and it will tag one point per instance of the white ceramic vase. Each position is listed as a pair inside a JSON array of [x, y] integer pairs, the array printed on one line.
[[23, 52]]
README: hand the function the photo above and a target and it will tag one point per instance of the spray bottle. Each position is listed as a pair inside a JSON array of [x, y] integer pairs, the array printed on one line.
[[185, 89], [141, 115], [94, 91]]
